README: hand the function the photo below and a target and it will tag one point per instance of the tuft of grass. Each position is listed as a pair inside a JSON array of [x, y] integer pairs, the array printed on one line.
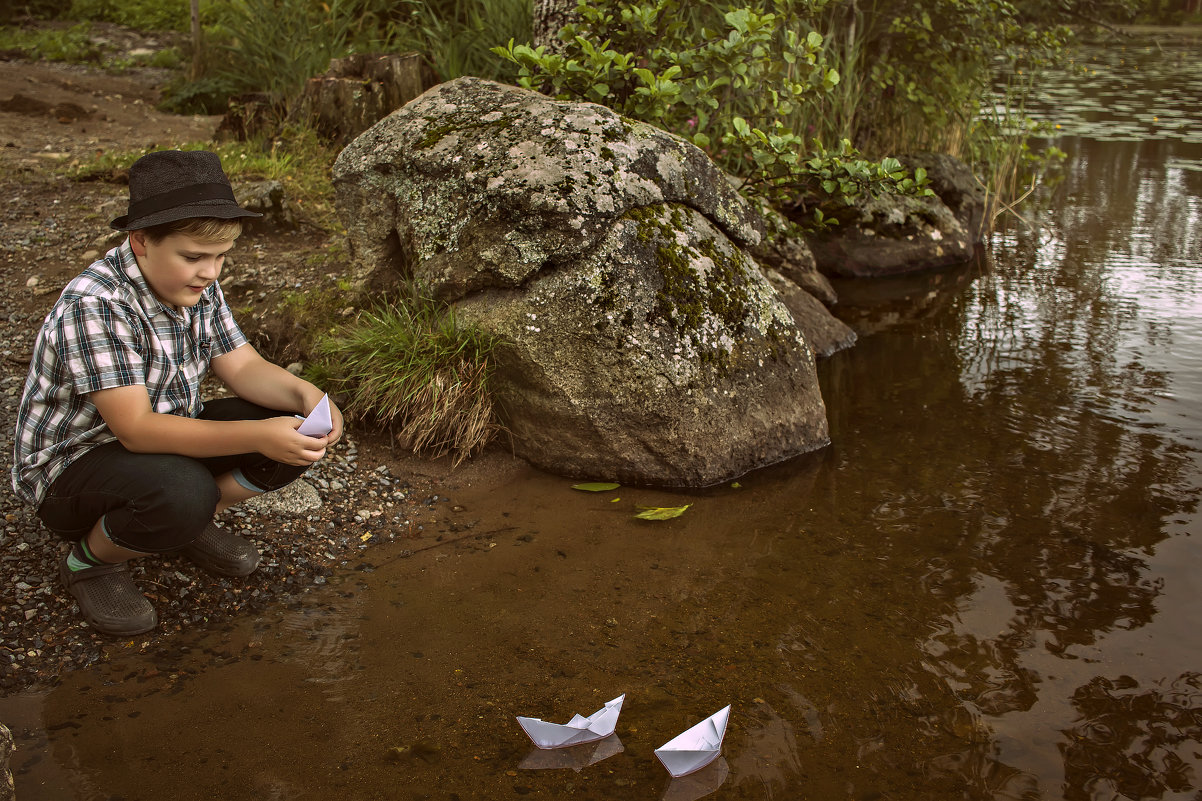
[[413, 366]]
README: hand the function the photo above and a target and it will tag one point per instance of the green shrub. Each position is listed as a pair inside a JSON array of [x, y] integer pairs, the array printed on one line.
[[766, 86], [274, 46], [730, 77]]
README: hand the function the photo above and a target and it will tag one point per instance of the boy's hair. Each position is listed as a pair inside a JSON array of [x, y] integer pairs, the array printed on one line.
[[203, 229]]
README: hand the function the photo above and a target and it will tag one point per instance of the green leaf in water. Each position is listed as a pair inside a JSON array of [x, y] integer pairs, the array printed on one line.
[[596, 486], [662, 512]]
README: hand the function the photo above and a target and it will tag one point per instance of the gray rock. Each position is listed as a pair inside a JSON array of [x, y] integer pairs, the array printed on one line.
[[269, 199], [826, 333], [897, 234], [7, 790], [640, 339], [294, 500], [954, 183], [891, 235], [791, 256], [678, 371], [478, 184]]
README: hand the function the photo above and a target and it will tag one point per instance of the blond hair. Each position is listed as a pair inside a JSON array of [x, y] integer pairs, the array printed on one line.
[[209, 230]]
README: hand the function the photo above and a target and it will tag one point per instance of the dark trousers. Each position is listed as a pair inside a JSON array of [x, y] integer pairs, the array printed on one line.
[[155, 502]]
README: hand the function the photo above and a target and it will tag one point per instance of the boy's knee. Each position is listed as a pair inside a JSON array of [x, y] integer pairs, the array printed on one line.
[[169, 514]]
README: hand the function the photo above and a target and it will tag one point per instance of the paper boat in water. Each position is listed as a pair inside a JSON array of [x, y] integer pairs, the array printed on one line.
[[692, 750], [577, 730]]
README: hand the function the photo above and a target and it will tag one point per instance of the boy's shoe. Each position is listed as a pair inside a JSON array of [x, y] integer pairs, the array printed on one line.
[[222, 553], [109, 600]]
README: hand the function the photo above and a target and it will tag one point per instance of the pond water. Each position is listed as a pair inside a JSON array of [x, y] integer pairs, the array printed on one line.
[[986, 588]]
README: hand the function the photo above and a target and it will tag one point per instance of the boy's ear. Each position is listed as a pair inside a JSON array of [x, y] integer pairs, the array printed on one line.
[[137, 241]]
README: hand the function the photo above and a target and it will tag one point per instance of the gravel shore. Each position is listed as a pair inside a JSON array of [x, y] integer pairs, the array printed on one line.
[[52, 228]]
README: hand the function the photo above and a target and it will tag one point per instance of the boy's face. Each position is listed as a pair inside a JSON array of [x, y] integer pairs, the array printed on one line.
[[179, 268]]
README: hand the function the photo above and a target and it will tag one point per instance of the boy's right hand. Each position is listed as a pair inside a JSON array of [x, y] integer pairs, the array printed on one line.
[[282, 443]]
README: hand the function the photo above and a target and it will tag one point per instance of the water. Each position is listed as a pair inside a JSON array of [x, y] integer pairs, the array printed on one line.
[[986, 588]]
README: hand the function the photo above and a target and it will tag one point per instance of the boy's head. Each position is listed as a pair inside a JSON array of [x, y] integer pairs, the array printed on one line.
[[182, 219], [173, 190]]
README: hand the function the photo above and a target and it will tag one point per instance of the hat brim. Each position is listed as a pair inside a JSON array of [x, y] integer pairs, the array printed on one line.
[[221, 209]]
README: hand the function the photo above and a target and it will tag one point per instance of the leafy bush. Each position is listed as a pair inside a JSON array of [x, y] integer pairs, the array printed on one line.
[[689, 68], [732, 78]]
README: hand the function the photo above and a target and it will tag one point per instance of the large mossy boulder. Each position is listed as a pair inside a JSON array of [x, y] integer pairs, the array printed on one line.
[[640, 338]]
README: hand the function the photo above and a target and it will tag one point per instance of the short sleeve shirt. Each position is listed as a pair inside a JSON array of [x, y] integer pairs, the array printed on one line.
[[108, 330]]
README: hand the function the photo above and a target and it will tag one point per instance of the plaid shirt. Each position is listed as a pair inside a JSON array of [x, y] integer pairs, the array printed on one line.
[[109, 330]]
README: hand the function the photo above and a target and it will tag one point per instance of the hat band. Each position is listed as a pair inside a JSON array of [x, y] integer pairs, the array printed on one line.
[[180, 197]]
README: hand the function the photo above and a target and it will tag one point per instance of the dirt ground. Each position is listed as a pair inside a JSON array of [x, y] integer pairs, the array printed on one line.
[[51, 116]]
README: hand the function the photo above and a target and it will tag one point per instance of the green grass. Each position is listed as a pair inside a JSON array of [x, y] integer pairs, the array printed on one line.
[[413, 367], [143, 15], [73, 45]]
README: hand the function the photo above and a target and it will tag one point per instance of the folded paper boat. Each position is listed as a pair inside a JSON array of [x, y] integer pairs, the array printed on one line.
[[319, 422], [692, 750], [577, 730]]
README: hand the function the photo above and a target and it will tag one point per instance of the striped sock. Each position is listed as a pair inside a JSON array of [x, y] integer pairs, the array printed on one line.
[[81, 557]]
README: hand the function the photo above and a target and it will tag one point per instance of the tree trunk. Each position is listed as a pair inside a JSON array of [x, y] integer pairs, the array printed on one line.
[[549, 17], [196, 54]]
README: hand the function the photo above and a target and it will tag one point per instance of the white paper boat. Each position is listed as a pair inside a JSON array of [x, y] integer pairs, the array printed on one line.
[[577, 730], [318, 423], [694, 749]]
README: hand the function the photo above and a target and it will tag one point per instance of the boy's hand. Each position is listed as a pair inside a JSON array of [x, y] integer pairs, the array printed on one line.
[[281, 442]]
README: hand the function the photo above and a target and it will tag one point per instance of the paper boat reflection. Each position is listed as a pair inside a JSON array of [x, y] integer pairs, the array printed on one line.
[[692, 750], [698, 784], [577, 730], [577, 758]]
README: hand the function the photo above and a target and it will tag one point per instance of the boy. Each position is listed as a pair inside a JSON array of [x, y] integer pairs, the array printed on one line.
[[113, 444]]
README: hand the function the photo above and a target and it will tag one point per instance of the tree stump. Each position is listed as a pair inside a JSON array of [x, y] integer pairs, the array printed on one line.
[[360, 90]]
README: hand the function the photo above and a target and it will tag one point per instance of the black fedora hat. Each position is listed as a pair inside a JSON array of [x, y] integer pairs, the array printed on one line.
[[170, 185]]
